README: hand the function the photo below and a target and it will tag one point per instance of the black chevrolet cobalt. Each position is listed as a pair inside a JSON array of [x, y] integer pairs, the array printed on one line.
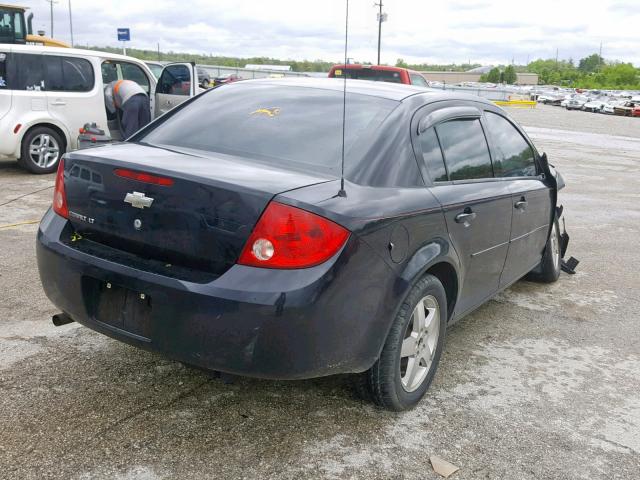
[[225, 235]]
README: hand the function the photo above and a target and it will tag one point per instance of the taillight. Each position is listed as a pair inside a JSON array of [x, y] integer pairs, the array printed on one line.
[[59, 195], [289, 237], [141, 176]]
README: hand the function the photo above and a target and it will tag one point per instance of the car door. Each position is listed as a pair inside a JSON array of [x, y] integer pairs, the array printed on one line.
[[134, 72], [532, 199], [73, 95], [177, 83], [477, 206]]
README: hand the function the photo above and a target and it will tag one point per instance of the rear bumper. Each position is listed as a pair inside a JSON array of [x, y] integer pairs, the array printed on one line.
[[280, 324]]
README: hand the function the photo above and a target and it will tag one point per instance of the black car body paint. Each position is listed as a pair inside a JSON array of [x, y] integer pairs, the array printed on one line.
[[203, 308]]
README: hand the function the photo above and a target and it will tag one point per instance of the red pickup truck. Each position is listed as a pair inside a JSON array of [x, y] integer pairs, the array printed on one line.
[[379, 73]]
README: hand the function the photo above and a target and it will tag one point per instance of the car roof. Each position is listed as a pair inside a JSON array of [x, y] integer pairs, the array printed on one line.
[[379, 68], [388, 90], [70, 51]]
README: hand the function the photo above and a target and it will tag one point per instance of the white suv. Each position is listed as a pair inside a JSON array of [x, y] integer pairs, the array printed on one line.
[[47, 94]]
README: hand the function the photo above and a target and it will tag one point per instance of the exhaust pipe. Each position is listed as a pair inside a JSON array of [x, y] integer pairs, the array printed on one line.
[[60, 319]]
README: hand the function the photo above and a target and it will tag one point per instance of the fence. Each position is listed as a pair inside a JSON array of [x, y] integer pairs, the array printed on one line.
[[248, 73], [488, 93]]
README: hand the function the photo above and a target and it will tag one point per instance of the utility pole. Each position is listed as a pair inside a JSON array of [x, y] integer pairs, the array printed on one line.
[[51, 2], [556, 58], [381, 18], [158, 51], [70, 23], [600, 59]]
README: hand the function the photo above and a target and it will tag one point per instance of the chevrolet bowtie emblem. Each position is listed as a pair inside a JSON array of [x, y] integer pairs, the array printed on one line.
[[138, 200]]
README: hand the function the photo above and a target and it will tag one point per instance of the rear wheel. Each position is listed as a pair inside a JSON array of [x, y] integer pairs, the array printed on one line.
[[548, 271], [41, 150], [408, 361]]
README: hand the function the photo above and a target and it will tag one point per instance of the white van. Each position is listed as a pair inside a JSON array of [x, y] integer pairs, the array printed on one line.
[[47, 94]]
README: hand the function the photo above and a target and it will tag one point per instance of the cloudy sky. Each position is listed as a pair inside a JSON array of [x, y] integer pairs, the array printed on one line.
[[442, 31]]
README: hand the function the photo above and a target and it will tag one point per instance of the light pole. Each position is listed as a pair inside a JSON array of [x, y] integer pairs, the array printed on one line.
[[70, 23], [382, 17]]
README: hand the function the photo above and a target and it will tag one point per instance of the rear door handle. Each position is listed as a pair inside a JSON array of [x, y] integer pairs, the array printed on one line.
[[521, 204], [466, 217]]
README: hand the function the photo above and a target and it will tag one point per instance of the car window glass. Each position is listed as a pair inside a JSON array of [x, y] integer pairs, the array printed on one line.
[[135, 73], [78, 74], [515, 156], [68, 74], [418, 80], [298, 127], [30, 75], [17, 22], [155, 69], [432, 155], [3, 70], [465, 149], [369, 74], [175, 80], [109, 72], [11, 27]]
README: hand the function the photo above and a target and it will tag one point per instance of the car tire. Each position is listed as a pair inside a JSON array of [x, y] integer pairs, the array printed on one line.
[[548, 270], [41, 150], [407, 364]]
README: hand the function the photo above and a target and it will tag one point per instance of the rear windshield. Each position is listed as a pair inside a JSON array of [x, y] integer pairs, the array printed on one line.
[[368, 74], [279, 125]]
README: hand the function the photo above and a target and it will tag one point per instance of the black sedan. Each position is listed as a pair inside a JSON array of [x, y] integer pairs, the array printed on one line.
[[237, 245]]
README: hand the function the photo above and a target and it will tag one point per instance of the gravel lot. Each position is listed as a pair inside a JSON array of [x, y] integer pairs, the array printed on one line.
[[541, 382]]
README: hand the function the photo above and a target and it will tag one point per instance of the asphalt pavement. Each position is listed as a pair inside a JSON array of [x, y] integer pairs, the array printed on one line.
[[541, 382]]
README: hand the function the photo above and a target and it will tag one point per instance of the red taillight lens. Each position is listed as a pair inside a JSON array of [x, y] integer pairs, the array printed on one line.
[[59, 195], [142, 176], [288, 237]]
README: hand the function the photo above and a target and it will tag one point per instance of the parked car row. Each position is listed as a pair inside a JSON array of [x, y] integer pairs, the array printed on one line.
[[596, 101]]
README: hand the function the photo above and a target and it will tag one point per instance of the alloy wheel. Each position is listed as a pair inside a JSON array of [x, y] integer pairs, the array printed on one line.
[[44, 150], [420, 343]]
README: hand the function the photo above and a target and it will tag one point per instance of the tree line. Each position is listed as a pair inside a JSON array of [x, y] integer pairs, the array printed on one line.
[[591, 72]]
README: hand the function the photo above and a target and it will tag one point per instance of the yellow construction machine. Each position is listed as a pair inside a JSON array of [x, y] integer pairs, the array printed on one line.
[[16, 28]]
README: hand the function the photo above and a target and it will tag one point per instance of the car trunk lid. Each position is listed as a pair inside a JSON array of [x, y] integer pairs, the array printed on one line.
[[200, 221]]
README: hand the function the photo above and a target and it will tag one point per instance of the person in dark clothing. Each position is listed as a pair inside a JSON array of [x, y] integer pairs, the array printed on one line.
[[131, 102]]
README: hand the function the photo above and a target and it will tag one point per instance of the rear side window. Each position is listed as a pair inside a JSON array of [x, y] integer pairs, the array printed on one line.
[[369, 74], [465, 149], [418, 80], [432, 155], [515, 156], [3, 70], [68, 74], [30, 74], [175, 80]]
